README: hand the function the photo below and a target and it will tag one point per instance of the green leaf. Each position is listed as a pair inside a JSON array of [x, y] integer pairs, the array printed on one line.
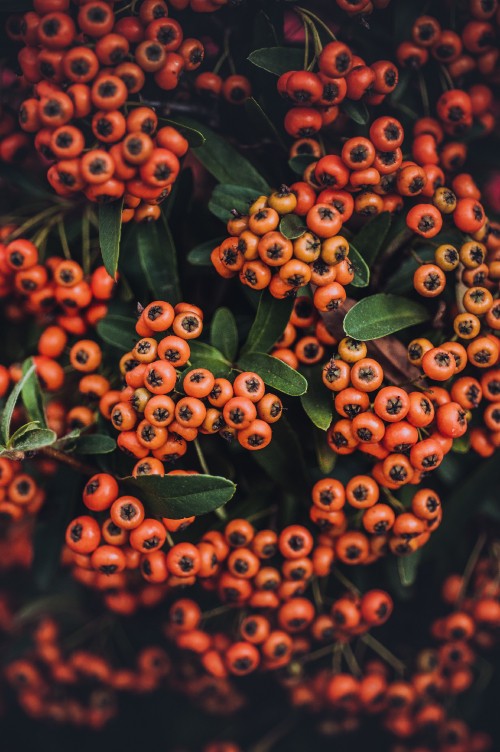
[[32, 395], [158, 259], [224, 162], [325, 458], [224, 333], [206, 356], [370, 239], [192, 135], [379, 315], [283, 458], [277, 60], [357, 111], [177, 496], [269, 324], [317, 401], [34, 439], [22, 430], [200, 254], [261, 122], [110, 228], [117, 331], [292, 226], [11, 403], [299, 163], [95, 443], [408, 567], [401, 282], [274, 373], [361, 269], [227, 197]]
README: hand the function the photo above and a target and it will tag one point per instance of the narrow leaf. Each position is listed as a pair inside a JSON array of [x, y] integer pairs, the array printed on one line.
[[158, 259], [110, 227], [262, 122], [200, 254], [299, 163], [34, 439], [361, 269], [408, 568], [32, 395], [269, 324], [379, 315], [224, 162], [317, 401], [226, 197], [177, 496], [206, 356], [224, 333], [11, 403], [274, 373], [370, 239], [277, 60], [96, 443], [117, 331], [357, 111]]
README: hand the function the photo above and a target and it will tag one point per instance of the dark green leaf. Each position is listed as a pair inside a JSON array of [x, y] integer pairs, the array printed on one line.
[[283, 458], [269, 324], [224, 333], [25, 180], [96, 443], [357, 111], [401, 282], [200, 254], [262, 123], [227, 197], [206, 356], [32, 396], [370, 238], [361, 270], [224, 162], [192, 135], [299, 163], [11, 403], [277, 60], [264, 32], [274, 373], [158, 260], [379, 315], [22, 430], [110, 228], [292, 226], [118, 331], [408, 567], [177, 496], [317, 401], [325, 458], [34, 439]]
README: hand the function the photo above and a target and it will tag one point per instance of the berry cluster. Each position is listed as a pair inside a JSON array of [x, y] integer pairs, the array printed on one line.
[[84, 72], [20, 494], [235, 89], [342, 75], [471, 48], [162, 408]]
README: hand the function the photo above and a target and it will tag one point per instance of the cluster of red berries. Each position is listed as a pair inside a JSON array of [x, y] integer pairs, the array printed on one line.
[[267, 643], [55, 288], [342, 75], [472, 48], [84, 71], [263, 256], [413, 711], [161, 408], [385, 525], [79, 686]]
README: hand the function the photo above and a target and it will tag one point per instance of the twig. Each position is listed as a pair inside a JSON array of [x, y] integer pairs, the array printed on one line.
[[470, 566], [383, 652], [67, 459]]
